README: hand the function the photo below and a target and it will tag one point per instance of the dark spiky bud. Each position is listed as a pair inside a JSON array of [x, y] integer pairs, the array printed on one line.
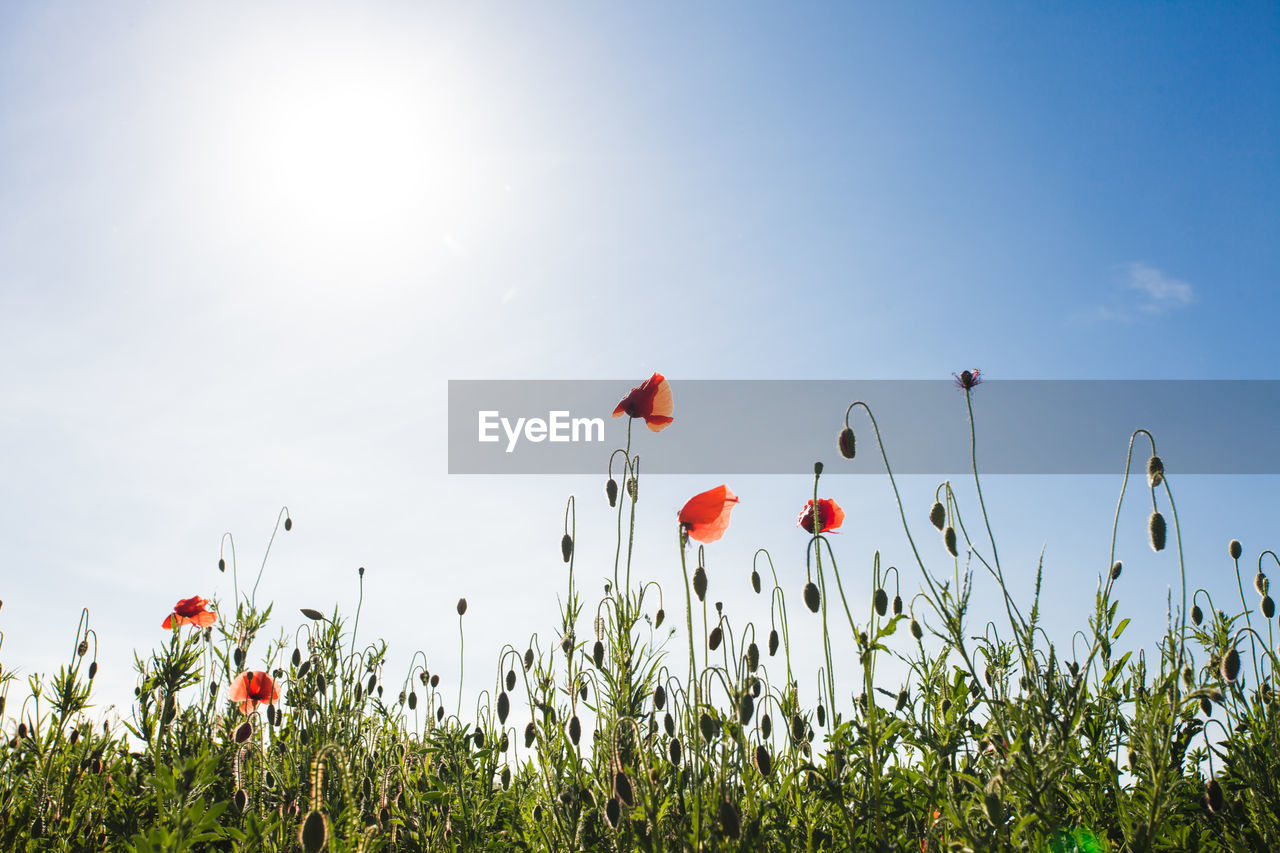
[[763, 761], [1116, 568], [949, 539], [1206, 707], [659, 697], [812, 598], [753, 657], [528, 658], [1261, 584], [566, 547], [713, 641], [597, 654], [238, 657], [700, 583], [755, 580], [707, 726], [462, 606], [1155, 471], [623, 789], [439, 714], [1197, 615], [797, 728], [766, 726], [530, 734], [1234, 549], [83, 648], [897, 605], [93, 669], [1213, 797], [611, 491], [1268, 607], [313, 835], [658, 617], [916, 630], [773, 642], [511, 679], [669, 724], [413, 700], [297, 657], [575, 729], [612, 812], [882, 601], [633, 488], [504, 706], [938, 515], [243, 732], [435, 680], [1157, 530], [847, 443], [822, 715], [222, 565], [373, 682], [675, 751], [730, 820], [1230, 666], [746, 707]]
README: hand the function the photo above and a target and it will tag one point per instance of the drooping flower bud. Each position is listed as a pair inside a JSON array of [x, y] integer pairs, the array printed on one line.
[[566, 547], [462, 606], [611, 491], [1156, 528], [1234, 549], [700, 583], [1155, 471], [938, 515], [812, 598], [949, 539], [847, 443]]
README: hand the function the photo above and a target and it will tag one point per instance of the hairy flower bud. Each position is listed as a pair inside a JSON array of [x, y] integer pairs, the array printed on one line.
[[847, 443], [1156, 528], [938, 515]]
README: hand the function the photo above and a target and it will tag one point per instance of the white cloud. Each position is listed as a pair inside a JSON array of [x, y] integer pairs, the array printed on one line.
[[1158, 292]]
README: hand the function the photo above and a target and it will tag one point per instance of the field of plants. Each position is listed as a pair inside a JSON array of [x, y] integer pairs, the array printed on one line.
[[610, 732]]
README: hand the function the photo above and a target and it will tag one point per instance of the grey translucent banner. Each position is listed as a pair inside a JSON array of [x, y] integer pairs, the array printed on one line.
[[784, 426]]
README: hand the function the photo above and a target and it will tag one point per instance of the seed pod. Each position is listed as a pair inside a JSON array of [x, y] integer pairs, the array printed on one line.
[[612, 812], [897, 605], [938, 515], [1213, 797], [700, 583], [773, 642], [1116, 568], [504, 706], [755, 580], [597, 654], [882, 601], [812, 598], [669, 724], [847, 443], [1197, 615], [658, 617], [1230, 666], [949, 539], [713, 641], [916, 630], [730, 821], [1268, 607], [1234, 549], [611, 491], [462, 606], [1155, 471], [753, 657], [1156, 528], [566, 547], [575, 729], [746, 707], [674, 751]]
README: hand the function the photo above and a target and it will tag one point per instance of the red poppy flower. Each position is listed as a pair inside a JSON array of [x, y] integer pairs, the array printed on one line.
[[650, 400], [252, 688], [830, 515], [706, 516], [190, 611]]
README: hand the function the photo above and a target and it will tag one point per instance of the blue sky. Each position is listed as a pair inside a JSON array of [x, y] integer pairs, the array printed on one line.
[[244, 248]]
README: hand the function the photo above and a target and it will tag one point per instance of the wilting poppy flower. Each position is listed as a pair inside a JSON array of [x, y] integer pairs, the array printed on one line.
[[650, 400], [252, 688], [190, 611], [830, 516], [968, 379], [706, 516]]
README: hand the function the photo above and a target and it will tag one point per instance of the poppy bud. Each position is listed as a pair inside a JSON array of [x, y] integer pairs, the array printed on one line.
[[881, 601], [504, 707], [746, 707], [817, 469], [822, 715], [313, 835], [243, 732], [612, 812], [669, 724], [413, 700], [462, 606], [511, 679], [659, 697], [530, 733], [949, 539], [797, 728], [288, 524], [528, 659], [597, 653], [753, 657], [773, 642], [897, 605], [1234, 549], [222, 565], [700, 583], [764, 761], [938, 515], [360, 571], [674, 750], [566, 547], [1116, 568], [1157, 529], [1268, 606], [730, 821], [658, 617], [611, 491], [713, 641], [707, 726], [1213, 797], [435, 680], [93, 669], [766, 726], [1230, 666], [297, 657], [238, 657], [755, 580], [812, 598], [916, 630], [622, 787], [506, 777], [1155, 471], [633, 488], [847, 443], [575, 729], [1261, 584], [1197, 615], [83, 648]]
